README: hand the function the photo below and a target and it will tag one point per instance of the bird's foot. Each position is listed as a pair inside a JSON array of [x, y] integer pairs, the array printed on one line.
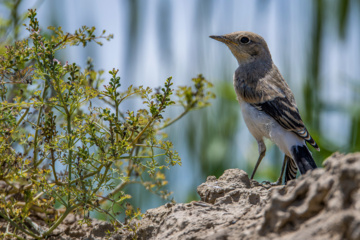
[[270, 184]]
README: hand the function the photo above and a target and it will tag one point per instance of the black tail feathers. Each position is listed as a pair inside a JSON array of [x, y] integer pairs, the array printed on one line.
[[291, 169], [303, 158]]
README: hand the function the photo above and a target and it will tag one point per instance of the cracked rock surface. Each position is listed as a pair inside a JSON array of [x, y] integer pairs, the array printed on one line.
[[323, 204]]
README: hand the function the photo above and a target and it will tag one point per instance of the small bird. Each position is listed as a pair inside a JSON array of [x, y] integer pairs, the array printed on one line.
[[268, 105]]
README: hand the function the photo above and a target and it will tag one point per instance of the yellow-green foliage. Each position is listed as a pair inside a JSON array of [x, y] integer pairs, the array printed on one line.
[[54, 115]]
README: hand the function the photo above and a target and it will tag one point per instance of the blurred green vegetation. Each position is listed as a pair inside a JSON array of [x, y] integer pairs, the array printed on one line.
[[313, 83], [211, 143]]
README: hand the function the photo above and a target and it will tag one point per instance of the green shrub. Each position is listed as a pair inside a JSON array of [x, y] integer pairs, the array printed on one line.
[[55, 115]]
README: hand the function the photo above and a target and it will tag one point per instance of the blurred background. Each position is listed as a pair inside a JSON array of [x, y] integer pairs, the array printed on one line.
[[315, 44]]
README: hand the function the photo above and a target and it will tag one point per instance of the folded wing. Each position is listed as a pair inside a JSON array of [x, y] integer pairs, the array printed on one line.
[[287, 115]]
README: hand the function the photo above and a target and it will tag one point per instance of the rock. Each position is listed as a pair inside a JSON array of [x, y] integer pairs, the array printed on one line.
[[214, 188], [101, 229], [227, 203], [322, 204], [323, 199]]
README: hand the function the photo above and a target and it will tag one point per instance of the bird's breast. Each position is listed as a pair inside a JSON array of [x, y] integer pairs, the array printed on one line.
[[258, 123], [245, 90]]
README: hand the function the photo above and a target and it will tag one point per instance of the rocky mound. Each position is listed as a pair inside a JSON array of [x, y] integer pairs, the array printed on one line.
[[323, 204]]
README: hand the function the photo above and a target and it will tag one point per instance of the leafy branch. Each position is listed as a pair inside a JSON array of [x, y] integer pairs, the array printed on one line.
[[65, 142]]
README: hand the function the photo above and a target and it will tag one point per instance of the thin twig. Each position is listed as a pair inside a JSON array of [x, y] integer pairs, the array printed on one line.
[[175, 119]]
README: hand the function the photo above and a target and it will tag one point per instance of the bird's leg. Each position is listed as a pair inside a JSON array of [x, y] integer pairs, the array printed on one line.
[[279, 181], [262, 150]]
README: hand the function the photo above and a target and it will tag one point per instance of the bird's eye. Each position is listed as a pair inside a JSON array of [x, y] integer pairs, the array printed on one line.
[[244, 40]]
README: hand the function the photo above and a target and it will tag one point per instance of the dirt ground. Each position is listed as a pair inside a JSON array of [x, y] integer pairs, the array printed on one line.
[[323, 204]]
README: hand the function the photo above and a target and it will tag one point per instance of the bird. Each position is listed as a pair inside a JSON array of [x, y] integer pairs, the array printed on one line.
[[268, 105]]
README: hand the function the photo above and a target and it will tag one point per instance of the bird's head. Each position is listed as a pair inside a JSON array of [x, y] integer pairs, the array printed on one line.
[[245, 46]]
